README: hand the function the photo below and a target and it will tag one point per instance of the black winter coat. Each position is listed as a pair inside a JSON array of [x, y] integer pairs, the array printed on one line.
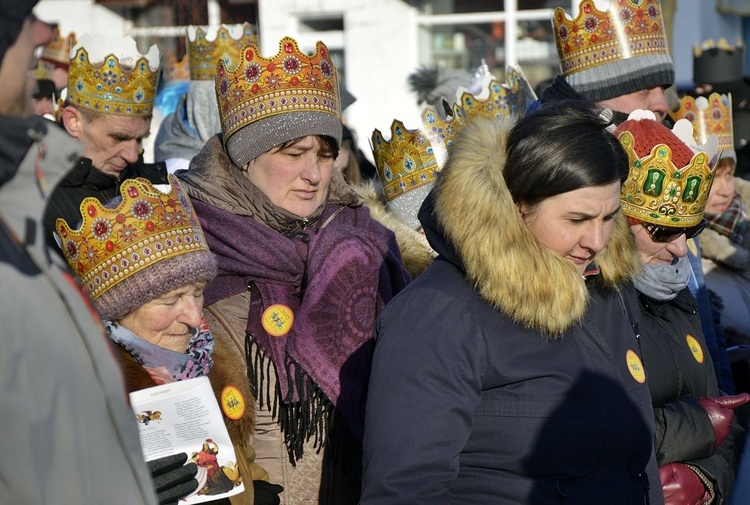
[[680, 371]]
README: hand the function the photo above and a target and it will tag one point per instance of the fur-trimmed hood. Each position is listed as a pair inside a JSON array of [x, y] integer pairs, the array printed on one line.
[[470, 219], [416, 252]]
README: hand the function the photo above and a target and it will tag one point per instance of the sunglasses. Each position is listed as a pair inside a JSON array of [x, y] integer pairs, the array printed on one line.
[[663, 234]]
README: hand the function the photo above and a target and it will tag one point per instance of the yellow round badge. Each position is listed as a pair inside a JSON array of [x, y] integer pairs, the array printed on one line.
[[232, 403], [695, 348], [635, 366], [277, 320]]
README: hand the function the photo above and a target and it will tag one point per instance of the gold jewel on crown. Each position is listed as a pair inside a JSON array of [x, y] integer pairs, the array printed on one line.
[[413, 158], [57, 51], [658, 192], [709, 115], [205, 50], [595, 37], [261, 87], [123, 86], [147, 226]]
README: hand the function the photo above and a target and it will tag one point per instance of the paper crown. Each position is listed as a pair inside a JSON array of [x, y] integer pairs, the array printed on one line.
[[712, 115], [57, 51], [206, 48], [595, 37], [112, 77], [177, 70], [669, 181], [146, 227], [718, 62], [259, 88], [411, 159]]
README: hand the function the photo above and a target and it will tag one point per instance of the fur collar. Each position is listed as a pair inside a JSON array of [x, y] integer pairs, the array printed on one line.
[[502, 259], [416, 253]]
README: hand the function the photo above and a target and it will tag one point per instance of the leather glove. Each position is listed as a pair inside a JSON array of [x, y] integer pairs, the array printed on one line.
[[719, 410], [682, 486], [173, 479], [266, 493]]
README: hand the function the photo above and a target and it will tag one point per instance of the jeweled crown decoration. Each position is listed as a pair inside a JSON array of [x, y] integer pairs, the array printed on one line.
[[659, 192], [261, 87], [709, 115], [57, 51], [595, 37], [122, 83], [147, 226], [413, 158], [206, 49]]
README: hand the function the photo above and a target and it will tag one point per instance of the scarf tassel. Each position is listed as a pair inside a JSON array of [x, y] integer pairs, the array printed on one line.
[[299, 421]]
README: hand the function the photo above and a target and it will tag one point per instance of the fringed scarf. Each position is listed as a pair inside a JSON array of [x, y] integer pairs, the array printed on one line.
[[730, 222], [164, 365], [335, 279]]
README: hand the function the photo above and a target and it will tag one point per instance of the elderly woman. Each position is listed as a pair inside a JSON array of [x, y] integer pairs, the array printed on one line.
[[303, 269], [144, 261], [508, 372], [668, 185]]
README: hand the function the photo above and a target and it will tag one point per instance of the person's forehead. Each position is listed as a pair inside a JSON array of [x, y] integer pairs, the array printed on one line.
[[135, 125]]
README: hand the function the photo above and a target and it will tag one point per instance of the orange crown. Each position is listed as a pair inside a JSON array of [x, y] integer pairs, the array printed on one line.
[[177, 70], [595, 37], [259, 88], [206, 48], [147, 226], [57, 51], [712, 115]]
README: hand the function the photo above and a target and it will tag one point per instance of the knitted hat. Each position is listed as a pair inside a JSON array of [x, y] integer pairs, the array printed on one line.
[[145, 245], [613, 53], [264, 102], [669, 178]]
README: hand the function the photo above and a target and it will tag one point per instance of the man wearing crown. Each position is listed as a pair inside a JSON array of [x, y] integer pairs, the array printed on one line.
[[68, 434], [109, 106], [183, 133]]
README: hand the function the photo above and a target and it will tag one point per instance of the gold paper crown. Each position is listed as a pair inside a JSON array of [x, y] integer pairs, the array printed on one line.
[[723, 45], [226, 46], [122, 86], [147, 226], [712, 115], [413, 158], [58, 49], [178, 70], [597, 37], [659, 192], [291, 81]]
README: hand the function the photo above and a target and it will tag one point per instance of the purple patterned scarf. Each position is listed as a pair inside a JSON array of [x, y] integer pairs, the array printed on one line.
[[335, 279]]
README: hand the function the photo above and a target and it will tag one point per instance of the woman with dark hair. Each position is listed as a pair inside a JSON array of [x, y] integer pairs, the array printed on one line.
[[508, 372]]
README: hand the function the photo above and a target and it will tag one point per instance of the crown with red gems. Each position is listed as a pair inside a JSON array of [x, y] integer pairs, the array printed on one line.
[[670, 177], [146, 227], [710, 115], [625, 30], [113, 77], [207, 47], [57, 51], [291, 81]]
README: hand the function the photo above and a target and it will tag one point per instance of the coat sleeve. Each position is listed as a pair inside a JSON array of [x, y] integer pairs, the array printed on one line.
[[426, 382]]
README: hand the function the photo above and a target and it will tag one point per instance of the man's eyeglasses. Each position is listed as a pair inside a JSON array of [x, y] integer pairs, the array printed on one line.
[[664, 234]]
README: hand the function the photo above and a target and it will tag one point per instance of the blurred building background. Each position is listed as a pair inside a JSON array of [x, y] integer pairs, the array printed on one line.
[[376, 44]]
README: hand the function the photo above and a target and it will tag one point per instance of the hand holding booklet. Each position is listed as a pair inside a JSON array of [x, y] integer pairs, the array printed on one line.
[[185, 417]]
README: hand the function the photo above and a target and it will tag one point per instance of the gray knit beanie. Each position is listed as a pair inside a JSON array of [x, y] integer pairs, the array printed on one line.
[[264, 102], [606, 54]]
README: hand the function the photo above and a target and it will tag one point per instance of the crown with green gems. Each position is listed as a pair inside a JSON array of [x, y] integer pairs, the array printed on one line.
[[207, 47], [113, 77], [670, 177]]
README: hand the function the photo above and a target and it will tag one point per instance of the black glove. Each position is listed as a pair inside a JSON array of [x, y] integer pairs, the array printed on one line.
[[266, 493], [173, 479]]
